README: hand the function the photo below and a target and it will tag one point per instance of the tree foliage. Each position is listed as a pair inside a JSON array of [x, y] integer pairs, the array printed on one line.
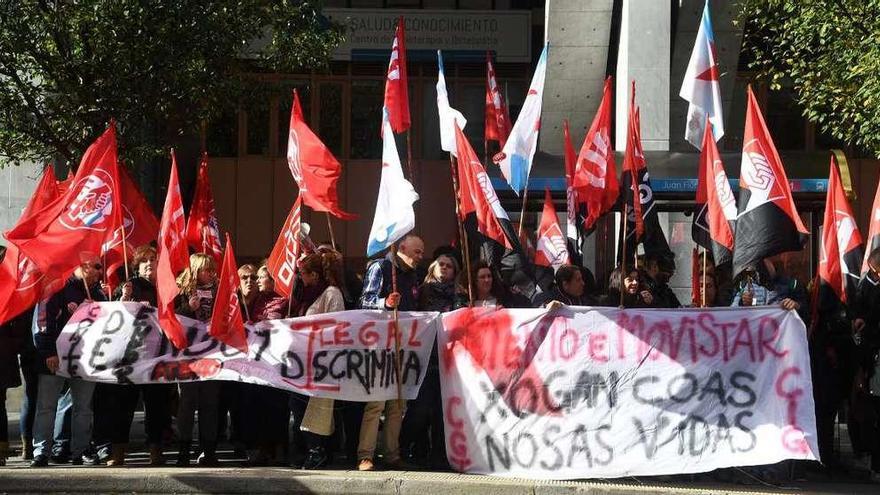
[[829, 50], [158, 67]]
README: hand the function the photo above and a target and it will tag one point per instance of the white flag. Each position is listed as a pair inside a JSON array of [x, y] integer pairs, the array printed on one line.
[[701, 86], [394, 211], [515, 159], [448, 115]]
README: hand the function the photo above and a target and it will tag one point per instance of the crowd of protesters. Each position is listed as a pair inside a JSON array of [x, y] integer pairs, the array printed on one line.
[[79, 422]]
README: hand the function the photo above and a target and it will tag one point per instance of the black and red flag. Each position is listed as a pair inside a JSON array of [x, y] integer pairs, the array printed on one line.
[[841, 255], [715, 208], [767, 221], [873, 241], [642, 222]]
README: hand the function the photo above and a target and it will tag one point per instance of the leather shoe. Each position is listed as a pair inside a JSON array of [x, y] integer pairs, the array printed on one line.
[[40, 461]]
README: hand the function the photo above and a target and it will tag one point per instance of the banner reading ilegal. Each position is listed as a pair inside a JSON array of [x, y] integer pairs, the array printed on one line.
[[603, 392], [346, 355]]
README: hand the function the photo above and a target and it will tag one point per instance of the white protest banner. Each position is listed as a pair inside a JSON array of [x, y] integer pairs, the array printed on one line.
[[346, 355], [604, 392]]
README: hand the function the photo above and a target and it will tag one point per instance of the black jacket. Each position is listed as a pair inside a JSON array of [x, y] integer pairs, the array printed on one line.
[[14, 337], [141, 290], [440, 296], [377, 284], [57, 315]]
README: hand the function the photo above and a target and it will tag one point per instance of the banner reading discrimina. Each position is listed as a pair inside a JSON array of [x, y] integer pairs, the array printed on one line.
[[346, 355], [603, 392]]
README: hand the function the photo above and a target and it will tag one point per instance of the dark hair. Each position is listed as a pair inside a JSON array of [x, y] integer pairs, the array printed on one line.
[[615, 282], [497, 289], [328, 266], [564, 274], [142, 253], [874, 257]]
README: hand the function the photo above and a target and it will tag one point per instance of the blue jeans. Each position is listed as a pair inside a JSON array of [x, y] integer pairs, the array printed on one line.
[[81, 420]]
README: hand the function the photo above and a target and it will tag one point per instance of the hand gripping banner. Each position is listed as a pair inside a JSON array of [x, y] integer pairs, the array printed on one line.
[[346, 355], [604, 392]]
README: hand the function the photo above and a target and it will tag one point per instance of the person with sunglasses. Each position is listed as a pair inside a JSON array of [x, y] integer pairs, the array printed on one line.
[[83, 286]]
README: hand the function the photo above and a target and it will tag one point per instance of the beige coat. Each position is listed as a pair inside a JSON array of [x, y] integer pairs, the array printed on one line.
[[318, 417]]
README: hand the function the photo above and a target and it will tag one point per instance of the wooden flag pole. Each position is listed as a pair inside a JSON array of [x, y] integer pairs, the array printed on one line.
[[409, 166], [703, 292], [124, 252], [462, 233], [396, 327], [330, 227]]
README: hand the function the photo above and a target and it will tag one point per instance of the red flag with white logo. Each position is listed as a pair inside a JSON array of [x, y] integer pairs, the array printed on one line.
[[227, 324], [596, 171], [715, 208], [551, 249], [841, 242], [873, 230], [22, 284], [173, 258], [396, 80], [282, 262], [202, 228], [314, 168], [498, 123], [74, 227], [477, 193], [767, 220], [141, 227]]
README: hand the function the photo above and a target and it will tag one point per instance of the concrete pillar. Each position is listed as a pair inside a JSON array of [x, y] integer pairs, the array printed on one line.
[[578, 31], [17, 184], [644, 56]]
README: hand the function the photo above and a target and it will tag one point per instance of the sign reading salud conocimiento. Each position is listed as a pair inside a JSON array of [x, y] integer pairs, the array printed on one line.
[[603, 393]]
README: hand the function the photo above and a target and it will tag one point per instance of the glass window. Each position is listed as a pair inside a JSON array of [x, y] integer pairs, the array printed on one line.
[[258, 127], [785, 121], [366, 117], [330, 117], [431, 123], [222, 134], [285, 101], [472, 102]]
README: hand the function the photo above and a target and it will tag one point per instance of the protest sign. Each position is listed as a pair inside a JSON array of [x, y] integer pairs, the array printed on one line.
[[605, 392], [346, 355]]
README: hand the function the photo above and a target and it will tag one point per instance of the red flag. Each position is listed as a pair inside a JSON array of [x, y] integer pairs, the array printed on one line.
[[396, 89], [74, 227], [477, 193], [282, 261], [715, 208], [767, 220], [574, 198], [46, 192], [551, 249], [141, 227], [202, 228], [873, 230], [633, 163], [22, 284], [596, 171], [173, 259], [314, 168], [227, 325], [498, 123], [841, 242]]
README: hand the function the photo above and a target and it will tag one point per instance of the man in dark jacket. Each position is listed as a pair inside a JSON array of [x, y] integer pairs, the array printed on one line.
[[83, 286], [379, 294], [659, 271]]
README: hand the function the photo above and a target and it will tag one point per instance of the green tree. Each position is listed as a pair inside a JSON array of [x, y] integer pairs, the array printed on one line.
[[159, 67], [829, 51]]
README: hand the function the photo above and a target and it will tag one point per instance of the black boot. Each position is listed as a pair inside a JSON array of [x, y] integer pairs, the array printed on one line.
[[184, 456], [317, 457]]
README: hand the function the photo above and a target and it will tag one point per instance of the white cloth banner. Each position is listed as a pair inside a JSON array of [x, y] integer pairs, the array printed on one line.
[[603, 392], [345, 355]]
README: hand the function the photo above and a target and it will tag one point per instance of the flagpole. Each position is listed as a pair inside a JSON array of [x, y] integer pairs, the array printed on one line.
[[330, 227], [86, 285], [522, 213], [462, 233], [396, 326], [703, 292], [124, 252], [623, 258], [409, 156]]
